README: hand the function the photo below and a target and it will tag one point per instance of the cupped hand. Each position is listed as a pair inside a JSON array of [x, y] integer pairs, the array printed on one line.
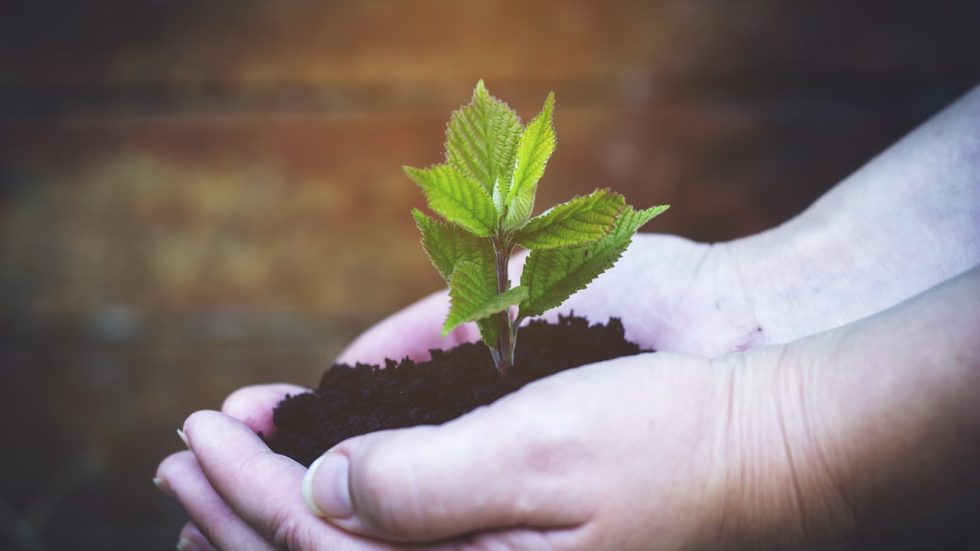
[[671, 293], [638, 452], [814, 444], [608, 456]]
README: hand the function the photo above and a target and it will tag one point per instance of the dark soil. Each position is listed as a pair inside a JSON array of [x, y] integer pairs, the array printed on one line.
[[354, 400]]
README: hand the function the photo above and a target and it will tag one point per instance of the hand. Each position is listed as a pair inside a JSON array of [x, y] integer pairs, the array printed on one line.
[[608, 456], [696, 304], [414, 331], [686, 310], [574, 462], [808, 445], [671, 294]]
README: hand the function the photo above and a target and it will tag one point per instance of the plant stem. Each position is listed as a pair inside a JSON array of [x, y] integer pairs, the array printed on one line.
[[503, 356]]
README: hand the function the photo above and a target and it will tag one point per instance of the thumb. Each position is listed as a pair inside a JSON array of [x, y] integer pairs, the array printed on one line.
[[482, 471]]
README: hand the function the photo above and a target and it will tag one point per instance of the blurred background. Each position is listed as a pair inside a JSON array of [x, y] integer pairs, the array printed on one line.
[[197, 196]]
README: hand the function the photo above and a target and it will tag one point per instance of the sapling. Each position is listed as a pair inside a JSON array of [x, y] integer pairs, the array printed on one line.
[[485, 192]]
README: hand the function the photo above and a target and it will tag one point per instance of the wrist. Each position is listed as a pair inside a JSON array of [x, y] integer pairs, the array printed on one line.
[[830, 267], [782, 486], [901, 224], [800, 278]]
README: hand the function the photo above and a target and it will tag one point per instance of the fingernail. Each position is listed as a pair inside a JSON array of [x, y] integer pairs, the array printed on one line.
[[326, 487], [161, 484], [183, 437], [184, 544]]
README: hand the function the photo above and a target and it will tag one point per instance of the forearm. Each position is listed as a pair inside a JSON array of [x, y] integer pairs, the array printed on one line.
[[906, 221], [890, 422]]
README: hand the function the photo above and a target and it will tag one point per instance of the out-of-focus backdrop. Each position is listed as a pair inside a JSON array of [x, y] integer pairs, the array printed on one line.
[[196, 196]]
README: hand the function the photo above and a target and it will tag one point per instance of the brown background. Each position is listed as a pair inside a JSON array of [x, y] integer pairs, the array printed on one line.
[[195, 196]]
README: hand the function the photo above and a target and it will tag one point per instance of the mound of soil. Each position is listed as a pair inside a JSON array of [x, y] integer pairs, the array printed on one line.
[[354, 400]]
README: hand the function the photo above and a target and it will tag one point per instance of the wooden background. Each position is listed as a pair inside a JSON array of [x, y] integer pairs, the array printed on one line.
[[196, 196]]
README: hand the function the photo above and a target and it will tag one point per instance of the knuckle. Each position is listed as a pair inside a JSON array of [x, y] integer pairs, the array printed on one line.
[[257, 465], [291, 532]]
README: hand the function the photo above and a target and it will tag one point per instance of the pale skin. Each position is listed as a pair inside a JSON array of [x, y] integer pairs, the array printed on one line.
[[816, 386]]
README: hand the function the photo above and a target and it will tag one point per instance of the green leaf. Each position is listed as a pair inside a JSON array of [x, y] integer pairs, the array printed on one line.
[[489, 332], [553, 275], [456, 198], [533, 151], [473, 292], [449, 244], [481, 139], [577, 222]]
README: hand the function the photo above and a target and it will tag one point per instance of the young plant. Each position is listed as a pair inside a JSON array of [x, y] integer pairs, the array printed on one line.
[[485, 192]]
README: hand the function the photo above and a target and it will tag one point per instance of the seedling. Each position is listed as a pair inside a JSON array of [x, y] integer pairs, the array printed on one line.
[[485, 192]]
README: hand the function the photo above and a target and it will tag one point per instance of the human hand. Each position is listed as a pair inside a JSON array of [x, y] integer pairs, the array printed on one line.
[[807, 445], [672, 293], [562, 460], [658, 450], [412, 332], [697, 304]]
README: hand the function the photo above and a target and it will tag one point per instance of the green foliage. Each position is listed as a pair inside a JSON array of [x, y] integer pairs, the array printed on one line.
[[553, 275], [579, 221], [481, 140], [448, 244], [485, 193], [456, 198], [535, 148], [473, 292]]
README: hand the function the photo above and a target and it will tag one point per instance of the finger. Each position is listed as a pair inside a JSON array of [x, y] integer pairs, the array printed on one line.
[[411, 333], [191, 539], [220, 525], [262, 487], [253, 405], [494, 468]]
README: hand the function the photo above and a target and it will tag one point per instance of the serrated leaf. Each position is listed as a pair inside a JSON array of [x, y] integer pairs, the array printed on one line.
[[577, 222], [448, 244], [536, 145], [481, 139], [456, 198], [553, 275], [473, 294]]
